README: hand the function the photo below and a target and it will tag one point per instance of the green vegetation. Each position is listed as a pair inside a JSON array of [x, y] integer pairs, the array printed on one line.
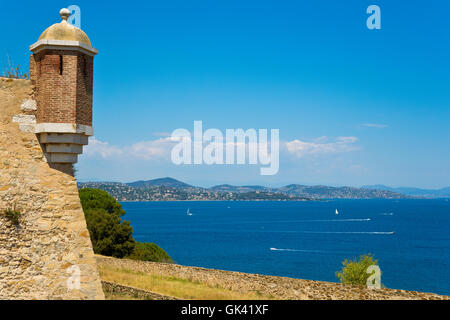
[[145, 251], [110, 235], [13, 215], [354, 272]]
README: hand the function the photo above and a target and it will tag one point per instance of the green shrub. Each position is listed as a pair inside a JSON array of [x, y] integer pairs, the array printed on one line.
[[355, 272], [110, 235], [146, 251]]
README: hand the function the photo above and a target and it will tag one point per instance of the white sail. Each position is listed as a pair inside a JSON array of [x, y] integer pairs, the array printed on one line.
[[337, 212]]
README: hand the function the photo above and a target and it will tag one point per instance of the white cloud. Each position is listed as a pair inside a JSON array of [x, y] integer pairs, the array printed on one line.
[[321, 146], [100, 148], [160, 149], [151, 150], [346, 140], [374, 125], [148, 150]]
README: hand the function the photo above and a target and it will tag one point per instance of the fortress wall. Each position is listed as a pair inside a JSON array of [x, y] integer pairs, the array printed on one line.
[[37, 255], [283, 288]]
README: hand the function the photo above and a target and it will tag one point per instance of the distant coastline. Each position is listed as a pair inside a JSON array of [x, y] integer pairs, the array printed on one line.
[[169, 189], [207, 200]]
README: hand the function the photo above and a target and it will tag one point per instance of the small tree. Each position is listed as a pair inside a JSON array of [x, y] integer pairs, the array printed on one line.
[[100, 199], [355, 272], [110, 235]]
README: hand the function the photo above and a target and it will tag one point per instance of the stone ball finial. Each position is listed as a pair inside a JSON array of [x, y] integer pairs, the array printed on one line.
[[64, 13]]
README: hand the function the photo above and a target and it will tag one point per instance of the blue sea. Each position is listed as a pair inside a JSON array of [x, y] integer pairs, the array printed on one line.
[[307, 240]]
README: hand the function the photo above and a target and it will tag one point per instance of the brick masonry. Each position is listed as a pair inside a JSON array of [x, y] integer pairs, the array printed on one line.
[[63, 81]]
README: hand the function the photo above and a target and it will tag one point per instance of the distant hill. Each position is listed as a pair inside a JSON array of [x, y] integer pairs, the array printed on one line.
[[230, 188], [417, 192], [317, 192], [167, 189], [327, 192], [161, 182], [149, 192]]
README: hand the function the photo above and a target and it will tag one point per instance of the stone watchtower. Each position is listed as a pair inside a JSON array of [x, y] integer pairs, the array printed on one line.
[[61, 70]]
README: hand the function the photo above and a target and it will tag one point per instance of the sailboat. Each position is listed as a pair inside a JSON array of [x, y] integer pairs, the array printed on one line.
[[337, 212], [188, 212]]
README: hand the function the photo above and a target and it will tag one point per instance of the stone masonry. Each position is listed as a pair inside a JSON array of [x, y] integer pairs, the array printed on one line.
[[40, 256]]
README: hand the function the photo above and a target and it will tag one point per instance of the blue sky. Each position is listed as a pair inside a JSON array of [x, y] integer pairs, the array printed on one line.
[[309, 68]]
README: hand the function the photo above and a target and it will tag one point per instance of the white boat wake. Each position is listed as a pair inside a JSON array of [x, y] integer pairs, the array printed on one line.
[[296, 250], [320, 220], [298, 221], [352, 232], [310, 251], [335, 232], [336, 220]]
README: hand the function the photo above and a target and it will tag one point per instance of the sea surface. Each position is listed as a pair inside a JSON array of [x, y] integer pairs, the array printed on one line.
[[307, 240]]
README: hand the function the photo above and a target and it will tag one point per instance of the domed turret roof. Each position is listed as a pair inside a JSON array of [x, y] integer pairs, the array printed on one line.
[[65, 31]]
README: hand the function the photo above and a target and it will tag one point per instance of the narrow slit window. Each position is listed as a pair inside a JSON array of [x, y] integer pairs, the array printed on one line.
[[84, 66], [60, 65]]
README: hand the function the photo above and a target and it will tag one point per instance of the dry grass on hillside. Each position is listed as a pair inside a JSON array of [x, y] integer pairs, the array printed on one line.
[[175, 287]]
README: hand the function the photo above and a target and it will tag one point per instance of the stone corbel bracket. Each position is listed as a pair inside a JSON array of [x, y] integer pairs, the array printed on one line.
[[63, 142]]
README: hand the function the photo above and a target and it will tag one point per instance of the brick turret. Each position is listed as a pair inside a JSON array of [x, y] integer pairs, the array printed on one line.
[[61, 69]]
